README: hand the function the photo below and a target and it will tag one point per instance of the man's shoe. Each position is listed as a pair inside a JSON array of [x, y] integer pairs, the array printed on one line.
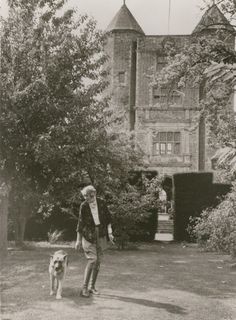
[[84, 293], [94, 291]]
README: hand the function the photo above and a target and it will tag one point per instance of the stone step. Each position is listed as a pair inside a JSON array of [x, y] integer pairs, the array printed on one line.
[[165, 228], [161, 229], [166, 223], [164, 237], [163, 217], [165, 231]]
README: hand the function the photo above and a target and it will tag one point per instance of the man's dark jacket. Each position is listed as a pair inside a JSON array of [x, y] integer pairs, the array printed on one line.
[[86, 225]]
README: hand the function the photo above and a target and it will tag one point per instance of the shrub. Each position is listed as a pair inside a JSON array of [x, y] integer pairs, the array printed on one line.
[[132, 210], [54, 236], [216, 228]]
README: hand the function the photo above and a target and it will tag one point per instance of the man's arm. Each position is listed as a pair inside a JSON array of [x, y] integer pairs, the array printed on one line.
[[78, 243], [108, 220]]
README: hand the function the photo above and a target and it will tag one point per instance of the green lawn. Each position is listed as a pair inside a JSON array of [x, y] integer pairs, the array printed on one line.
[[157, 281]]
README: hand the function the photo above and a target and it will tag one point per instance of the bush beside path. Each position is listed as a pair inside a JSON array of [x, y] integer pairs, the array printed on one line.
[[156, 281]]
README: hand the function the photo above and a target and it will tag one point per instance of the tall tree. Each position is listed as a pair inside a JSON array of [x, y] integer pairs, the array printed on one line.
[[53, 119]]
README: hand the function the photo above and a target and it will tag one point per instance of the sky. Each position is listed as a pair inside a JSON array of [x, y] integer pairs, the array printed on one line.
[[152, 15]]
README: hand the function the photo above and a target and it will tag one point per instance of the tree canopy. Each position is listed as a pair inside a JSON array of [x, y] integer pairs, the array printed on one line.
[[54, 121], [208, 63]]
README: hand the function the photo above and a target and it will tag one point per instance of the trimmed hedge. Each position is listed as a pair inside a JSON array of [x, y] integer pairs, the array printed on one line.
[[192, 192]]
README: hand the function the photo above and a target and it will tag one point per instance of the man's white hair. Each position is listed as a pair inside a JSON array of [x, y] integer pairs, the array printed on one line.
[[88, 189]]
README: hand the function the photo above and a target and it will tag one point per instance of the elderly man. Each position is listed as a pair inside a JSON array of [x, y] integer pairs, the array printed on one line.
[[93, 229]]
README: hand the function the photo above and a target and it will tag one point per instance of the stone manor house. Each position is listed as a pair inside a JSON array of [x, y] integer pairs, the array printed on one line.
[[164, 121]]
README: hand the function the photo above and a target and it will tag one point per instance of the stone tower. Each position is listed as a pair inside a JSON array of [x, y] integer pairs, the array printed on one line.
[[123, 34], [163, 120]]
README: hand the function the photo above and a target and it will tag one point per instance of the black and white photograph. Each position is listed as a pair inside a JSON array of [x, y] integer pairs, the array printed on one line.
[[117, 159]]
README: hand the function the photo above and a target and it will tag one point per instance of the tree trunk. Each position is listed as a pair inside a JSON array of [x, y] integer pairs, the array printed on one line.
[[20, 223], [4, 201]]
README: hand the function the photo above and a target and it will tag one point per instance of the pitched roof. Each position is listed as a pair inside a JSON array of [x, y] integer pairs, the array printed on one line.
[[124, 20], [213, 19]]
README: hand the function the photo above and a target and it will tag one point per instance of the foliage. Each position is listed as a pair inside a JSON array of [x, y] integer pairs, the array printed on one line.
[[54, 236], [228, 7], [226, 161], [132, 209], [189, 65], [44, 62], [193, 67], [216, 228], [207, 63], [53, 120], [222, 71]]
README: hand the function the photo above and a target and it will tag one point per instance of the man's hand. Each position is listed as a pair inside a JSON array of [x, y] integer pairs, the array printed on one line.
[[78, 245], [111, 238]]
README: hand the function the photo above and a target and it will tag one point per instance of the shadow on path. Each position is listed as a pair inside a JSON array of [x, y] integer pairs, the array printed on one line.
[[171, 308], [74, 295]]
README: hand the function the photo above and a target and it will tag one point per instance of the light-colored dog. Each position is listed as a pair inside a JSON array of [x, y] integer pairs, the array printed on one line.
[[57, 271]]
